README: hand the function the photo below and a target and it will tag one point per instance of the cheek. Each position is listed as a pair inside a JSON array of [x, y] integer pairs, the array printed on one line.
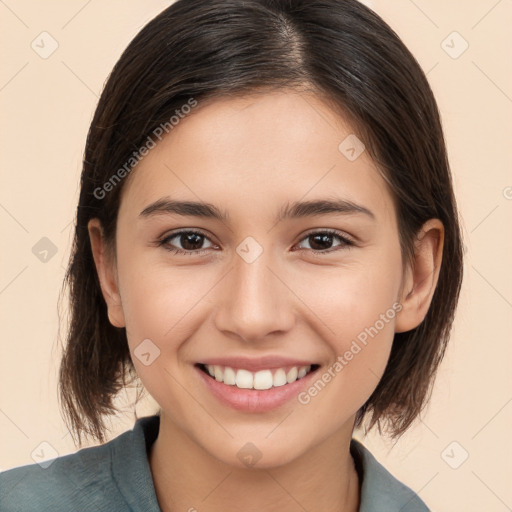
[[359, 307], [353, 298], [155, 299], [362, 311], [164, 309], [160, 316]]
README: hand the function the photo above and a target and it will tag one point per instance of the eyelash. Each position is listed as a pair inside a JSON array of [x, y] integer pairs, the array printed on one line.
[[345, 242]]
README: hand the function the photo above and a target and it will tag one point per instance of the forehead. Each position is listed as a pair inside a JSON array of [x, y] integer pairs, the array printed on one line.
[[249, 152]]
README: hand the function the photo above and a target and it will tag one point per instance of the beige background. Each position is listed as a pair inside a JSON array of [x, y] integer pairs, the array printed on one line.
[[46, 107]]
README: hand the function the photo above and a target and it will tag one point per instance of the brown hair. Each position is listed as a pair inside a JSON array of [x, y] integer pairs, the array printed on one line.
[[195, 49]]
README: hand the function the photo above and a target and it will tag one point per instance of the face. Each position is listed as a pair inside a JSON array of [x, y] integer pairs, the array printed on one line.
[[264, 287]]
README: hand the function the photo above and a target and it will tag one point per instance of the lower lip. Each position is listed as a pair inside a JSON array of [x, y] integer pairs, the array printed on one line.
[[254, 400]]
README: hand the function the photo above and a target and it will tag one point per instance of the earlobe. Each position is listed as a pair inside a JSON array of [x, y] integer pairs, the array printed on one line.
[[421, 276], [106, 270]]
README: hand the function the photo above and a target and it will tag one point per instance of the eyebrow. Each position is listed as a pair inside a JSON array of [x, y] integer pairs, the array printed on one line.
[[289, 211]]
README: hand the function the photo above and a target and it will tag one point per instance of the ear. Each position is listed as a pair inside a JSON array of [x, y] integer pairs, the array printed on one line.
[[421, 276], [107, 273]]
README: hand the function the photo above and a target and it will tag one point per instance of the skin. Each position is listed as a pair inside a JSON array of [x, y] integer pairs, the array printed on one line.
[[250, 156]]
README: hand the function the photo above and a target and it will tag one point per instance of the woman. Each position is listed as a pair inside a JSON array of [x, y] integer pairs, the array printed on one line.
[[267, 238]]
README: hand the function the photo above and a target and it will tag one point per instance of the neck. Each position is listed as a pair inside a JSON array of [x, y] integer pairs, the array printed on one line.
[[187, 478]]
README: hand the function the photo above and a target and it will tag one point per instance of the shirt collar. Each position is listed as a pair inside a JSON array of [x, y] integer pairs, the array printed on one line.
[[130, 465], [380, 491]]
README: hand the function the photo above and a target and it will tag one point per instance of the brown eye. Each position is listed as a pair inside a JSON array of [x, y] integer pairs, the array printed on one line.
[[325, 241], [189, 242]]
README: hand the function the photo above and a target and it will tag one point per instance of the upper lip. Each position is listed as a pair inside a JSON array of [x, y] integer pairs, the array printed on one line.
[[255, 364]]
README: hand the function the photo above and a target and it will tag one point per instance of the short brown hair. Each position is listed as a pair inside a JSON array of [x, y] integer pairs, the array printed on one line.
[[339, 49]]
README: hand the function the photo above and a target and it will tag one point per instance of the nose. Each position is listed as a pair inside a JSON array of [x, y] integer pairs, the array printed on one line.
[[255, 301]]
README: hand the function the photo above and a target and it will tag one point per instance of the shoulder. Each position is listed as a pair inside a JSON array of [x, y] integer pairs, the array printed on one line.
[[79, 481], [380, 490]]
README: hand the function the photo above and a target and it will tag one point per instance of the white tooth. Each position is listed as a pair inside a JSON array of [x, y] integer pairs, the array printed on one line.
[[279, 378], [263, 379], [229, 376], [210, 369], [291, 376], [244, 379], [219, 374], [302, 372]]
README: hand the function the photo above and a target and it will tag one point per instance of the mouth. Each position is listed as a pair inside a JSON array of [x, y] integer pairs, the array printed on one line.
[[255, 384], [263, 379]]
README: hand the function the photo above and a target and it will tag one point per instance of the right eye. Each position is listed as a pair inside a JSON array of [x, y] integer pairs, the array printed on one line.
[[188, 239]]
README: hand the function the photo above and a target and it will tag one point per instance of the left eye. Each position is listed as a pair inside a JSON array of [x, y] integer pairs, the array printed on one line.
[[321, 239], [191, 242]]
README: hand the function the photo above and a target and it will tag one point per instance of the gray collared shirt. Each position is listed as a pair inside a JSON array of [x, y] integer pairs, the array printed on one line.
[[116, 477]]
